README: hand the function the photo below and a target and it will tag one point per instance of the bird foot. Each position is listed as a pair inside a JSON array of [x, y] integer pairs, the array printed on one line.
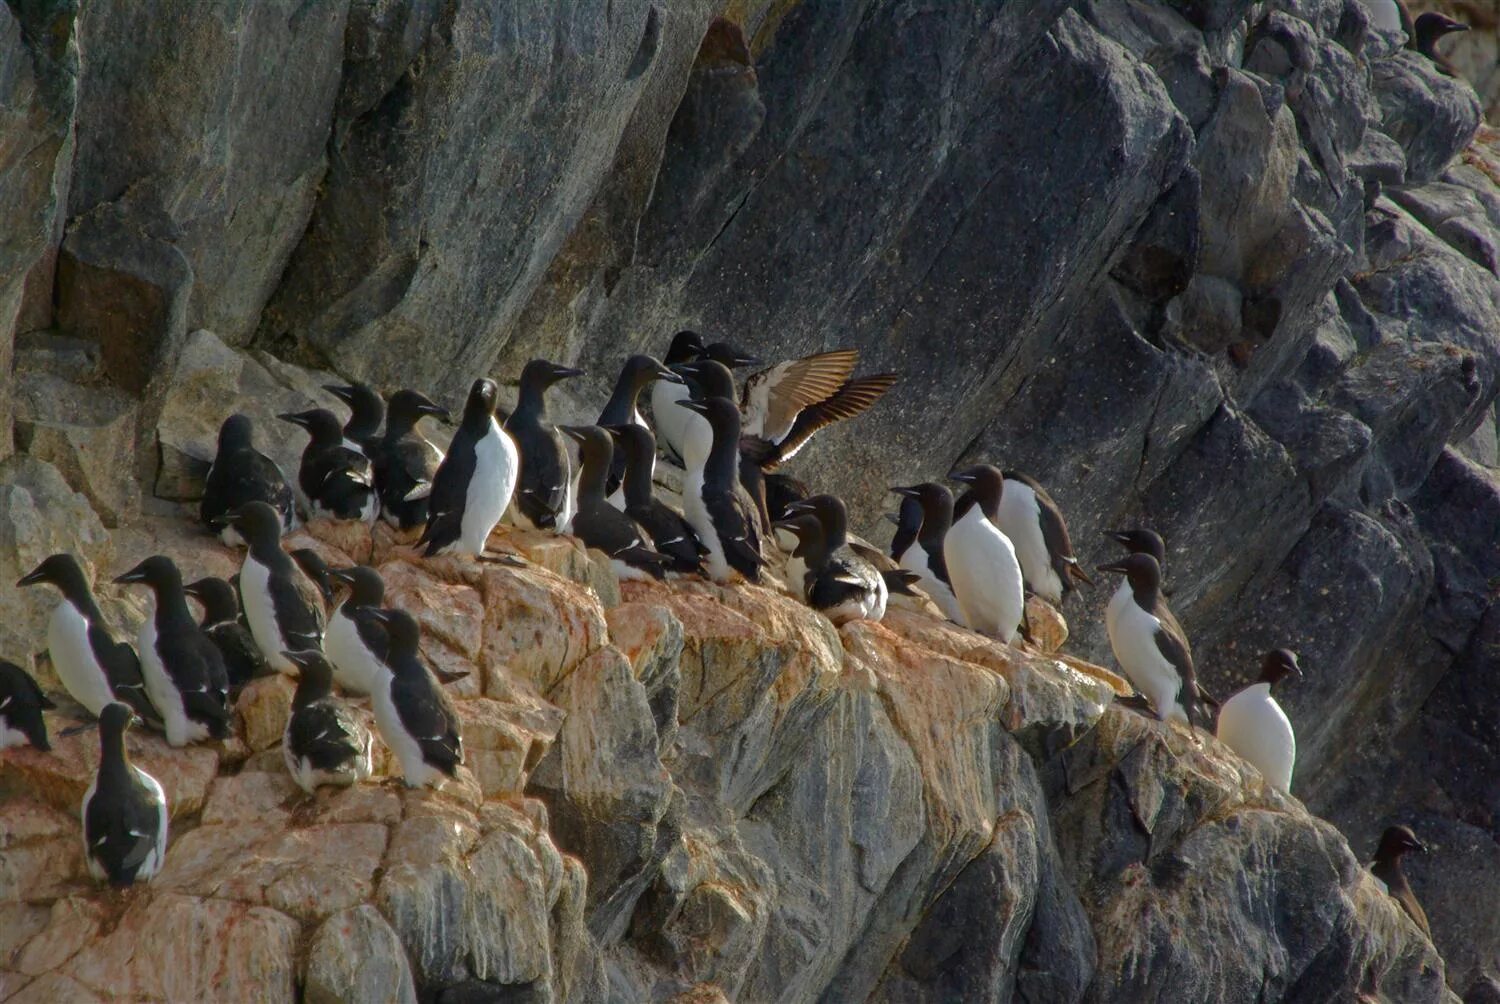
[[501, 558]]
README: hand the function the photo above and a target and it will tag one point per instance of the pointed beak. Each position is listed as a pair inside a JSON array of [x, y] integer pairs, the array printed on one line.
[[381, 614], [965, 476], [565, 372], [294, 418], [194, 590], [906, 492], [435, 411], [134, 575], [574, 432], [1113, 566], [1296, 668], [695, 406], [668, 376], [344, 575], [32, 577], [800, 506], [343, 392], [1118, 536]]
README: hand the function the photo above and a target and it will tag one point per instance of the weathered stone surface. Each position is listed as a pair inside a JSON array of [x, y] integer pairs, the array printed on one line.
[[87, 433], [355, 956]]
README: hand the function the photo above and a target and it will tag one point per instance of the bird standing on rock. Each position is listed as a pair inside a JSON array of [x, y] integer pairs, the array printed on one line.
[[336, 478], [94, 668], [405, 462], [544, 498], [1036, 527], [366, 412], [925, 556], [183, 669], [21, 705], [622, 408], [670, 421], [1396, 842], [669, 531], [726, 524], [600, 525], [1137, 541], [221, 623], [239, 474], [1150, 645], [415, 717], [474, 484], [355, 640], [124, 810], [283, 607], [838, 582], [981, 560], [323, 743], [1253, 725]]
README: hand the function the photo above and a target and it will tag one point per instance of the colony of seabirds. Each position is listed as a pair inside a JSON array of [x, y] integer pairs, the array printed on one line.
[[975, 557]]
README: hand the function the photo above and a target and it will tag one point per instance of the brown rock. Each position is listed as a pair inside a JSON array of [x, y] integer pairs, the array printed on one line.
[[537, 628], [355, 956], [451, 612], [262, 709], [1045, 623], [88, 434], [61, 777], [72, 923], [41, 849]]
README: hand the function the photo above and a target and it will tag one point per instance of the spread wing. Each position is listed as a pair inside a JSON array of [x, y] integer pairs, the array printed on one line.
[[772, 398], [853, 398]]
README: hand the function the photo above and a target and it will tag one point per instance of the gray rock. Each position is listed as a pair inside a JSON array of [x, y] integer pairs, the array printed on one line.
[[355, 956], [1431, 115]]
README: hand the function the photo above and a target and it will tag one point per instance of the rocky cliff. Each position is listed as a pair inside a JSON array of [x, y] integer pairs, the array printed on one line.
[[1229, 268]]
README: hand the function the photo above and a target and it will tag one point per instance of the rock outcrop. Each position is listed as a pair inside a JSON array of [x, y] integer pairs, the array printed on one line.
[[1229, 268]]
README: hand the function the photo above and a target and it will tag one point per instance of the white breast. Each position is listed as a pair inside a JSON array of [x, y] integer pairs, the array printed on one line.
[[73, 659], [1020, 520], [354, 666], [260, 613], [986, 576], [11, 737], [1253, 725], [671, 421], [496, 467], [416, 771], [1117, 603], [1134, 643], [696, 514], [180, 729], [915, 560], [158, 855]]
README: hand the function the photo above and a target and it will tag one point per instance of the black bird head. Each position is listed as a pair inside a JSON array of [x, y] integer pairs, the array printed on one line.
[[830, 511], [484, 395], [234, 434], [217, 597], [541, 374], [315, 568], [1278, 664], [366, 407], [708, 378], [401, 627], [1396, 841], [407, 407], [722, 413], [686, 346], [314, 676], [986, 482], [728, 355], [1431, 28], [257, 522], [366, 587], [808, 530], [1141, 570], [61, 570], [1140, 541], [158, 572], [640, 371], [320, 423], [636, 441], [115, 719]]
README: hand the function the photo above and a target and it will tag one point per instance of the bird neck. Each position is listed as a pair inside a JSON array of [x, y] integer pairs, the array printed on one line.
[[114, 762], [592, 474], [722, 466], [622, 400], [637, 482], [937, 519]]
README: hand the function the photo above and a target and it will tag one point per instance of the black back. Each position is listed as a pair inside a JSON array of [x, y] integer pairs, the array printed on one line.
[[597, 523], [404, 459], [242, 474], [366, 412], [670, 534], [543, 482], [296, 599], [192, 662], [908, 522], [122, 822], [423, 707], [22, 703], [221, 623], [322, 728]]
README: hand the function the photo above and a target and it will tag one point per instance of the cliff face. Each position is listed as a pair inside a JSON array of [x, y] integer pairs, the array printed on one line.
[[1227, 268]]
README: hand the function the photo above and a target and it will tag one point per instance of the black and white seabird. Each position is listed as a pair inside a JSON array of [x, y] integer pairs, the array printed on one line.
[[183, 669], [1253, 725], [623, 408], [221, 622], [1150, 646], [1136, 541], [324, 742], [415, 717], [405, 461], [1395, 842], [600, 525], [724, 520], [908, 523], [355, 640], [1430, 29], [94, 668], [474, 484], [1036, 528], [240, 473], [786, 404], [669, 421], [669, 531], [805, 548], [21, 705], [336, 478], [981, 560], [838, 582], [366, 412], [781, 491], [283, 607], [124, 810], [315, 568], [544, 498], [926, 555]]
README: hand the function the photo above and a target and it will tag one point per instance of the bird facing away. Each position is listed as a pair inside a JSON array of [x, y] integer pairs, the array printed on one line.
[[21, 705], [1394, 844], [405, 462], [124, 810], [544, 498], [324, 742], [415, 717], [335, 477], [221, 622], [1253, 724], [94, 668], [239, 474]]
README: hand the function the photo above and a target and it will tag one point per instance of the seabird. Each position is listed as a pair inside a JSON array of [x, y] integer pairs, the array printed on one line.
[[726, 524], [804, 532], [1032, 521], [981, 561], [94, 668], [21, 705], [405, 461], [324, 743], [785, 405], [415, 717], [926, 555], [1395, 842], [221, 622], [908, 523], [1253, 725], [355, 639], [838, 582], [638, 373], [544, 498], [781, 491], [366, 412], [708, 378], [1150, 646], [600, 525], [671, 422], [315, 568], [239, 474], [474, 483], [335, 477], [283, 607], [1137, 541], [1430, 29], [124, 810], [669, 531], [184, 670]]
